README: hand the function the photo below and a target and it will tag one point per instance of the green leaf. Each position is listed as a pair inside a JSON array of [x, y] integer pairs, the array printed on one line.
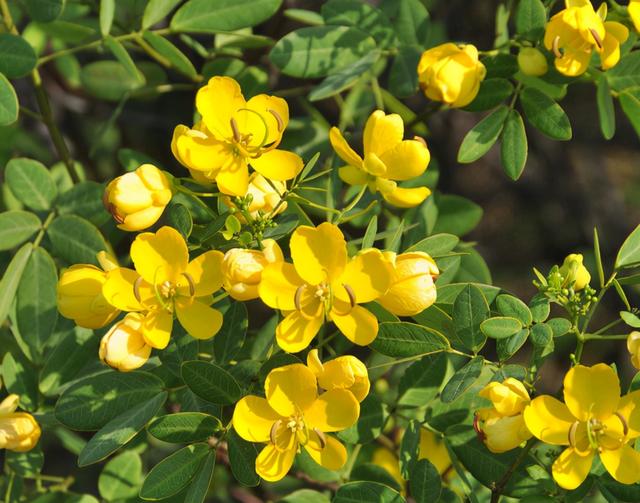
[[31, 183], [75, 240], [424, 481], [17, 57], [470, 309], [37, 310], [199, 486], [501, 65], [500, 327], [492, 93], [482, 136], [374, 473], [409, 447], [541, 334], [121, 477], [626, 73], [630, 103], [229, 340], [531, 18], [373, 416], [108, 80], [370, 234], [401, 339], [506, 348], [462, 379], [559, 326], [421, 382], [157, 10], [174, 55], [456, 215], [25, 464], [412, 22], [44, 11], [107, 11], [361, 15], [403, 78], [174, 472], [366, 492], [16, 227], [630, 319], [242, 459], [318, 51], [120, 430], [85, 200], [540, 308], [436, 244], [211, 382], [606, 110], [179, 217], [508, 305], [93, 402], [305, 496], [11, 279], [545, 114], [513, 148], [184, 427], [211, 16], [21, 378], [629, 253], [121, 54], [8, 102], [344, 78]]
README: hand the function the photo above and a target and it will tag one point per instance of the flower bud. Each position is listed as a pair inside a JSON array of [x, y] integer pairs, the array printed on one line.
[[501, 434], [412, 287], [633, 345], [532, 62], [344, 372], [80, 295], [451, 74], [137, 199], [242, 269], [508, 397], [123, 347], [263, 196], [574, 273], [19, 431]]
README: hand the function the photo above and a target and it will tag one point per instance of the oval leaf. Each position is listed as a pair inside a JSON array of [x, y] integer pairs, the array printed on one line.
[[366, 492], [75, 240], [500, 327], [17, 57], [16, 227], [513, 148], [8, 102], [482, 136], [184, 427], [402, 339], [31, 183], [470, 309], [210, 382], [211, 16], [462, 379], [545, 114]]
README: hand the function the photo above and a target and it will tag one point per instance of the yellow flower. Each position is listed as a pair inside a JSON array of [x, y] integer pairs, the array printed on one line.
[[633, 345], [137, 199], [433, 448], [387, 159], [502, 426], [385, 458], [323, 283], [242, 269], [80, 293], [574, 272], [594, 420], [165, 283], [235, 133], [293, 415], [343, 372], [634, 13], [574, 32], [412, 287], [532, 62], [19, 431], [123, 347], [451, 74]]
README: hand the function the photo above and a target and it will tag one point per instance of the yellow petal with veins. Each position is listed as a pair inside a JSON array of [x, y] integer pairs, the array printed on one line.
[[278, 165], [623, 464], [342, 148], [198, 319], [328, 451], [592, 391], [319, 253], [273, 464], [156, 328], [253, 418], [161, 256], [333, 410], [358, 325], [570, 469], [549, 420], [291, 389], [382, 132]]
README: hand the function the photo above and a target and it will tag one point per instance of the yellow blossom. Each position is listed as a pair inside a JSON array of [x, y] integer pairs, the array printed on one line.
[[575, 274], [451, 74], [387, 160], [413, 286], [292, 416], [595, 420], [324, 284], [576, 31], [123, 347], [532, 62], [388, 460], [79, 293], [633, 345], [634, 13], [233, 134], [242, 269], [165, 283], [137, 199], [502, 426], [344, 372], [19, 431]]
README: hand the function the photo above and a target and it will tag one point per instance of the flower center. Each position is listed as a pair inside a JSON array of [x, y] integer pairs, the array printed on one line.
[[165, 291], [597, 435], [324, 294]]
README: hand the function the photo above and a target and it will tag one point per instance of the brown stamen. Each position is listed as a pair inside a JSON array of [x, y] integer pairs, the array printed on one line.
[[556, 47], [625, 425], [192, 283], [350, 293], [136, 288], [476, 427], [274, 430], [278, 119], [420, 139], [298, 296], [572, 434], [596, 37], [234, 128], [321, 437]]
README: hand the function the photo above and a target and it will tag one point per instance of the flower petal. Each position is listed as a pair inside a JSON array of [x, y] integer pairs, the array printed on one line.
[[573, 62], [549, 420], [342, 148], [623, 464], [352, 175], [616, 34], [206, 273], [406, 198], [634, 12], [345, 372], [141, 220], [9, 404], [570, 468], [275, 113], [278, 286], [272, 464], [358, 325], [382, 132], [505, 433], [592, 391], [406, 160], [198, 319], [334, 410], [217, 102], [319, 253], [156, 328], [160, 257], [253, 418], [291, 389], [278, 165], [233, 177], [298, 329], [629, 409], [194, 149], [328, 452], [118, 289], [368, 275]]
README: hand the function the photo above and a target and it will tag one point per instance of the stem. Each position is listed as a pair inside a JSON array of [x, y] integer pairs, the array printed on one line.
[[497, 490], [350, 462], [45, 225], [351, 205], [377, 93], [596, 337]]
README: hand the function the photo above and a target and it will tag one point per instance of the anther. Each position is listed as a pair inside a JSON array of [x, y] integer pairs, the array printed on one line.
[[274, 430], [476, 426], [572, 434], [625, 425], [350, 293], [596, 37], [234, 128], [298, 297], [192, 285], [556, 47], [136, 288], [321, 437], [420, 139], [278, 119]]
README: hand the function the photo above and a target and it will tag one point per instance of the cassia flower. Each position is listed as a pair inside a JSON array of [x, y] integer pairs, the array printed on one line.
[[576, 31], [532, 62], [292, 416], [574, 272], [233, 134], [633, 345], [413, 286], [502, 427], [165, 283], [123, 347], [387, 160], [79, 293], [137, 199], [323, 283], [634, 13], [242, 269], [451, 74], [593, 420], [344, 372], [19, 431]]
